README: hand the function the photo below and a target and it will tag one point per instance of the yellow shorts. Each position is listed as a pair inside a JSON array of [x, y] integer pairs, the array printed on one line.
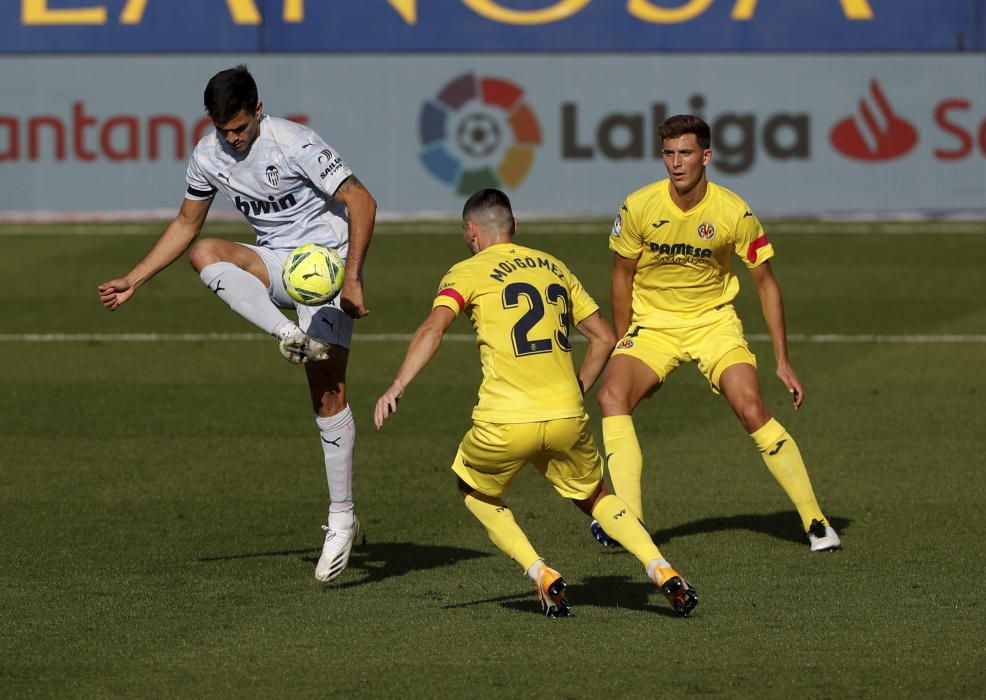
[[714, 340], [491, 454]]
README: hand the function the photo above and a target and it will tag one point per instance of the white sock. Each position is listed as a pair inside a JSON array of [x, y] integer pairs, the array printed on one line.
[[652, 567], [245, 294], [338, 434], [535, 568]]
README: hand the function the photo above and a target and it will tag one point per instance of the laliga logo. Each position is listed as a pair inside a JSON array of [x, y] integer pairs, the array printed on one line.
[[478, 132], [882, 138]]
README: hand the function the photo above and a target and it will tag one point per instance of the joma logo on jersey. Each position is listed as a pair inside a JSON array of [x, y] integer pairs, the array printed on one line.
[[252, 206], [680, 249]]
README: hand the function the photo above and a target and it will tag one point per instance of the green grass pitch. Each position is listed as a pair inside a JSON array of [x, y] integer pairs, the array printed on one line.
[[160, 501]]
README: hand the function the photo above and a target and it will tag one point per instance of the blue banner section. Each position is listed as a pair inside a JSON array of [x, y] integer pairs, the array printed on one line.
[[241, 26]]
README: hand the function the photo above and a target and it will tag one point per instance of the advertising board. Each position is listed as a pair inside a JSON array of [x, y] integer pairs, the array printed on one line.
[[570, 134]]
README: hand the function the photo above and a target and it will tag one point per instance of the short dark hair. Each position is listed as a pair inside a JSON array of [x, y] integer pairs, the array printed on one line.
[[681, 124], [487, 201], [228, 92]]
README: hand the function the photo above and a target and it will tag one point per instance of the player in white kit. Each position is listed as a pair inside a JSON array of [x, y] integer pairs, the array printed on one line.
[[293, 188]]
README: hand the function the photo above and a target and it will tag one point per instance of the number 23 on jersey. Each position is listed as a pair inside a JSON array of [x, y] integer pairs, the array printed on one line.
[[557, 296]]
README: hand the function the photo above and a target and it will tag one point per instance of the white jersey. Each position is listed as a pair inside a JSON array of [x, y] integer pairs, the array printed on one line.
[[283, 185]]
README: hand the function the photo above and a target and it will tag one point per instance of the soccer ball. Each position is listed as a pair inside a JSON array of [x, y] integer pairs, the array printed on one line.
[[313, 274]]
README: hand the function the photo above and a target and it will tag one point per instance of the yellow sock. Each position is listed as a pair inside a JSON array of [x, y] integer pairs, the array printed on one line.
[[502, 528], [620, 524], [624, 461], [784, 461]]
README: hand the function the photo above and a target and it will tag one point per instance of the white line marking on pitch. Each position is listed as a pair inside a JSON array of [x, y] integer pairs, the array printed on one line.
[[452, 337]]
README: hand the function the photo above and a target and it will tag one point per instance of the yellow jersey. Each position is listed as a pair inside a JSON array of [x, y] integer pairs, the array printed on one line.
[[684, 259], [522, 303]]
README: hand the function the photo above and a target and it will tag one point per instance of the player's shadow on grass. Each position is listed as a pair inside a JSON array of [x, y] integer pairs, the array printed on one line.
[[595, 591], [621, 592], [784, 525], [376, 561]]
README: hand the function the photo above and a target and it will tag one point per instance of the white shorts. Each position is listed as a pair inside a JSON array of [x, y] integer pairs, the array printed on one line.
[[328, 322]]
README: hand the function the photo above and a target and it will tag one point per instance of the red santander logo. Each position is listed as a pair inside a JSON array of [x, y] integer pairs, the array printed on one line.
[[877, 133]]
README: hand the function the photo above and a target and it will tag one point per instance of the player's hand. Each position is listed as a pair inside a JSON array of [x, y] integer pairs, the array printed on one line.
[[786, 374], [387, 404], [352, 299], [115, 292]]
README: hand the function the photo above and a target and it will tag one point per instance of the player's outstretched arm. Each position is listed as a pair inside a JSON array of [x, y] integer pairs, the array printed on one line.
[[621, 292], [425, 343], [773, 313], [601, 342], [170, 246], [362, 215]]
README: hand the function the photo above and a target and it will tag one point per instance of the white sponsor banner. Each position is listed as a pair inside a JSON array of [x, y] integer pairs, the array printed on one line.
[[792, 134]]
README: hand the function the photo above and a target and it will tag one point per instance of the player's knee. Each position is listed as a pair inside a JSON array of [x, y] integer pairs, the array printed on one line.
[[753, 415], [329, 403], [587, 505], [202, 253], [464, 488], [612, 401]]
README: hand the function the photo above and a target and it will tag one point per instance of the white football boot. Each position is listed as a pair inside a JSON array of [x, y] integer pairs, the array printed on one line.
[[335, 551], [298, 347], [823, 537]]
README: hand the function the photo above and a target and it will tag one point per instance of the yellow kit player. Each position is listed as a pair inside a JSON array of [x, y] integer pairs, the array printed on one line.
[[672, 292], [522, 303]]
